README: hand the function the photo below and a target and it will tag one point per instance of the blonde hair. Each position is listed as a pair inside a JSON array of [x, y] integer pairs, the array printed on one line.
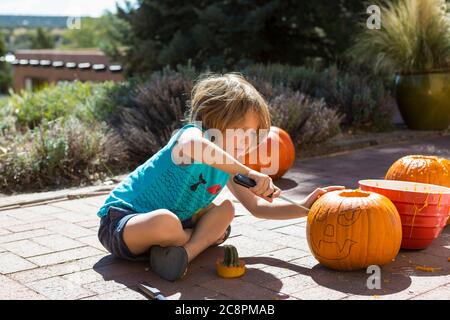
[[219, 101]]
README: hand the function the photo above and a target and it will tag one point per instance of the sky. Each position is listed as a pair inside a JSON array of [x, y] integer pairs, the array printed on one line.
[[93, 8]]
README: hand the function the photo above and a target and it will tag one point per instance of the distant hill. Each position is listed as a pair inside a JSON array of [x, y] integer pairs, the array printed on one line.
[[10, 21]]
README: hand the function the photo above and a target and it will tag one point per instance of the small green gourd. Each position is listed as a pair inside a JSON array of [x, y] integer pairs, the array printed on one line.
[[231, 266], [231, 257]]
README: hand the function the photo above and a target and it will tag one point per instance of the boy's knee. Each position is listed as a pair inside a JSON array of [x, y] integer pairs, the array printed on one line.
[[168, 222], [164, 214], [170, 231], [228, 208]]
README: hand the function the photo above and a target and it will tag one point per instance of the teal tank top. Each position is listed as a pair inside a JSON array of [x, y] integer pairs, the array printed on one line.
[[160, 183]]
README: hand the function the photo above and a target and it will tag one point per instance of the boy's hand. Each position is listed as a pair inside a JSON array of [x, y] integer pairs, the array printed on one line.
[[264, 186], [313, 196]]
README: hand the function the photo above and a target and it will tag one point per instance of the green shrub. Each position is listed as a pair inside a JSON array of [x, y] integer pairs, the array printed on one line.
[[122, 95], [59, 153], [7, 117], [114, 97], [62, 100], [308, 121], [148, 115], [293, 77], [360, 97], [414, 36]]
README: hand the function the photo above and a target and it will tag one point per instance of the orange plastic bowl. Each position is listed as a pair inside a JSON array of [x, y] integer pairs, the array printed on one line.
[[423, 208]]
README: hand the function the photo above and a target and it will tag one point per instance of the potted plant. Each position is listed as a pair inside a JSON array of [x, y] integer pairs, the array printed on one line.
[[414, 44]]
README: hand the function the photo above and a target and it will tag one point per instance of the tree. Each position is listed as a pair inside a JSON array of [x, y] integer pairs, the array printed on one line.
[[106, 33], [84, 37], [42, 39], [233, 33], [115, 33], [5, 78]]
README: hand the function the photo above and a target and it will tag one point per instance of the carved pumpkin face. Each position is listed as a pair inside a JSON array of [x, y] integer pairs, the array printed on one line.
[[350, 229]]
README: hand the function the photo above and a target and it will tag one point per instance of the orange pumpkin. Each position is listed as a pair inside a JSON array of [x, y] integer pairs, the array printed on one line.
[[275, 161], [352, 229], [423, 169]]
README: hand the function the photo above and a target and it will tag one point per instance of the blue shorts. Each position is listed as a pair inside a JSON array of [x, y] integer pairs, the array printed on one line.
[[110, 233]]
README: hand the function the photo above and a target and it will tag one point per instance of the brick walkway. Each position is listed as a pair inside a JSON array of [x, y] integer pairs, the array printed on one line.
[[52, 252]]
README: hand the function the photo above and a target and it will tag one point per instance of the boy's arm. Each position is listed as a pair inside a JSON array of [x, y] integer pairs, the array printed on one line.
[[192, 138], [263, 209], [276, 211], [192, 145]]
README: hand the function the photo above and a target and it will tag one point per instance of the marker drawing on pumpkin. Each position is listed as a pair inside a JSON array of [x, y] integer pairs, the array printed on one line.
[[343, 229], [348, 217], [335, 250]]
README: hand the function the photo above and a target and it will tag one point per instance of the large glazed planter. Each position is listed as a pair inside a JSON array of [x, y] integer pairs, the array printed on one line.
[[424, 99]]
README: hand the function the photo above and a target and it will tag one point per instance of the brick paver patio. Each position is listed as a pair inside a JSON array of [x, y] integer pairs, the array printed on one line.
[[52, 252]]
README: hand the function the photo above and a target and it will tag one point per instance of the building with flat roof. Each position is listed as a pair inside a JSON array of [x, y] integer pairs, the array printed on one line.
[[33, 69]]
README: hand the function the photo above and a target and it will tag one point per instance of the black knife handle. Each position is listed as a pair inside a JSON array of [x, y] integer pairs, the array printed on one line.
[[244, 181]]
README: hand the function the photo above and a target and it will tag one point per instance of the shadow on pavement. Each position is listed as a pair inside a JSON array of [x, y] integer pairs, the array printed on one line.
[[352, 282], [285, 183], [201, 271], [201, 282], [396, 276]]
